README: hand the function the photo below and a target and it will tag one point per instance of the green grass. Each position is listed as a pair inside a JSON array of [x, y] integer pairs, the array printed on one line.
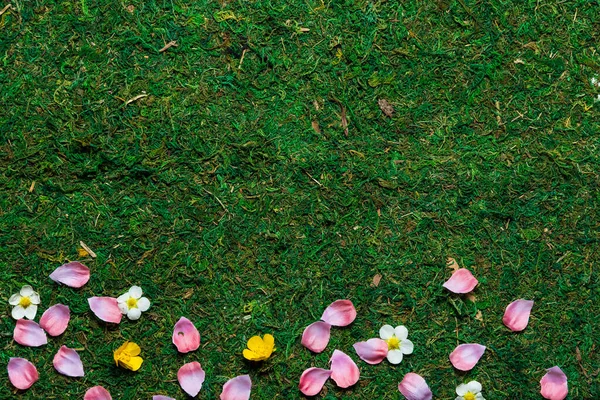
[[215, 194]]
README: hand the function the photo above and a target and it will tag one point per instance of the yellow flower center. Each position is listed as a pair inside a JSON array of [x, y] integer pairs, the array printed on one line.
[[25, 302], [393, 343], [469, 396], [132, 303]]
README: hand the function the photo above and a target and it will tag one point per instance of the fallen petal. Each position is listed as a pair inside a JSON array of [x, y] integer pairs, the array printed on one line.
[[21, 373], [29, 333], [56, 319], [237, 388], [67, 362], [414, 387], [185, 336], [73, 274], [191, 377], [465, 356], [316, 336], [106, 308], [461, 281], [554, 384], [373, 351], [97, 393], [161, 397], [312, 380], [344, 371], [339, 313], [516, 316]]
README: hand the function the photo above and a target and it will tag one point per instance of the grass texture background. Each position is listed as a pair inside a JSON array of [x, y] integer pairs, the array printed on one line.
[[233, 196]]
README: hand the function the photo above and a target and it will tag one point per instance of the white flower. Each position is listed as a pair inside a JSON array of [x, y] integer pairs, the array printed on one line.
[[397, 342], [595, 81], [470, 391], [132, 303], [25, 303]]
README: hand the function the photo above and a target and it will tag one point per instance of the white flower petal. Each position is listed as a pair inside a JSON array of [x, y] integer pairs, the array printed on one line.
[[35, 298], [386, 332], [394, 356], [134, 314], [143, 304], [459, 398], [474, 387], [123, 307], [26, 291], [14, 299], [479, 396], [135, 292], [31, 311], [18, 312], [406, 346], [123, 298], [462, 389], [401, 332]]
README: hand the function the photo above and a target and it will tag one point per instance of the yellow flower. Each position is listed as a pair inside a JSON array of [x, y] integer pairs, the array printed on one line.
[[126, 356], [259, 349]]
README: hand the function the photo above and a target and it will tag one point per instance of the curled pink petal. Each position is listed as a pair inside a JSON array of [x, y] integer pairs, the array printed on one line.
[[67, 362], [339, 313], [185, 336], [29, 333], [465, 356], [461, 281], [516, 315], [73, 274], [373, 351], [414, 387], [106, 308], [21, 373], [191, 377], [312, 380], [316, 336], [554, 384], [55, 319], [97, 393], [237, 388], [161, 397], [344, 371]]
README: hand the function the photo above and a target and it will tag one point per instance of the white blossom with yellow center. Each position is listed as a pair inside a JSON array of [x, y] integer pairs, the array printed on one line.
[[398, 344], [132, 303], [469, 391], [25, 303]]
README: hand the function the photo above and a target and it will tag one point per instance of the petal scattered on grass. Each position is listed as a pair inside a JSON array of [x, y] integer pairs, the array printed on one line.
[[105, 308], [237, 388], [465, 356], [339, 313], [97, 393], [516, 315], [554, 384], [414, 387], [161, 397], [312, 380], [190, 377], [29, 333], [185, 336], [68, 363], [55, 319], [73, 274], [344, 371], [21, 373], [373, 351], [316, 336], [461, 281]]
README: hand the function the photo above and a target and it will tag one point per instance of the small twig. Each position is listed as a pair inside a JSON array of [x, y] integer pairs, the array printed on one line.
[[242, 58], [172, 43], [310, 176], [32, 187], [5, 9], [86, 248], [139, 96], [220, 202]]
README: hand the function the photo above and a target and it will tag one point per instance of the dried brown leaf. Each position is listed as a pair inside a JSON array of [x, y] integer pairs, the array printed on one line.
[[452, 264], [376, 280], [344, 120], [386, 107], [167, 46], [479, 316], [315, 126]]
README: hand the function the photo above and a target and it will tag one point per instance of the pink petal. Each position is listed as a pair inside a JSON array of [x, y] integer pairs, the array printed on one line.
[[316, 336], [414, 387], [339, 313], [67, 362], [73, 274], [516, 316], [191, 377], [344, 371], [55, 319], [161, 397], [237, 388], [97, 393], [29, 333], [554, 384], [461, 281], [373, 351], [106, 308], [312, 380], [22, 373], [185, 336], [465, 356]]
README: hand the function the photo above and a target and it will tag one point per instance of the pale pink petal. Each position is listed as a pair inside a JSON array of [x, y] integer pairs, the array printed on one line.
[[106, 308], [73, 274], [339, 313], [29, 333], [185, 336], [237, 388], [67, 362], [373, 351], [191, 377], [316, 336], [97, 393], [161, 397], [516, 316], [465, 356], [461, 281], [414, 387], [22, 373], [554, 384], [312, 380], [344, 371], [55, 320]]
